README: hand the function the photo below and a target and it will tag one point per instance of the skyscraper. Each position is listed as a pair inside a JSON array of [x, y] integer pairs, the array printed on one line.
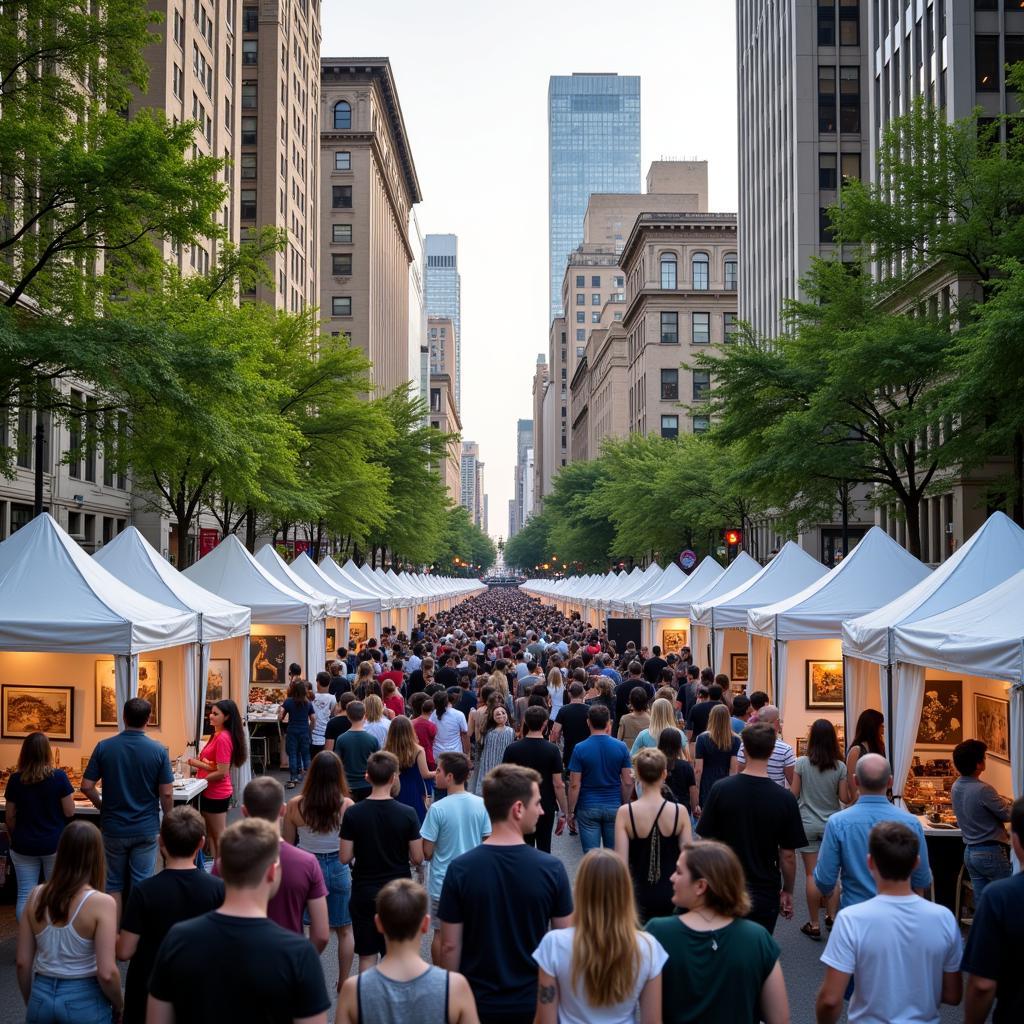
[[593, 146], [444, 293]]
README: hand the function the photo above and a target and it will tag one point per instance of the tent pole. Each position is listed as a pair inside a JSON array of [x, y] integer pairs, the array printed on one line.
[[891, 733]]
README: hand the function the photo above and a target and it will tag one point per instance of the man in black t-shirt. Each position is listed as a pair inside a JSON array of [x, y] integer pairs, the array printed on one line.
[[448, 675], [571, 722], [178, 893], [533, 751], [697, 719], [232, 963], [482, 914], [382, 836], [761, 822], [340, 723], [634, 679], [654, 665]]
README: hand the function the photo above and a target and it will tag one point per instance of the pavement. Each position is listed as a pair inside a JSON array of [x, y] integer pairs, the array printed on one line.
[[800, 955]]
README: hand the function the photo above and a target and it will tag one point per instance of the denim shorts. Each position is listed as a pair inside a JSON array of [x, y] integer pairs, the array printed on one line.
[[129, 854], [67, 1001], [338, 879]]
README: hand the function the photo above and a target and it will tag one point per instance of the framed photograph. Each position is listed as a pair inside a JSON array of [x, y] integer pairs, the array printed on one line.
[[357, 632], [992, 725], [106, 710], [267, 661], [825, 687], [942, 714], [27, 709], [332, 645], [673, 640], [739, 668]]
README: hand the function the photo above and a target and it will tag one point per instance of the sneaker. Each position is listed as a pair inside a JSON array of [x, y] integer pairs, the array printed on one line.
[[290, 784]]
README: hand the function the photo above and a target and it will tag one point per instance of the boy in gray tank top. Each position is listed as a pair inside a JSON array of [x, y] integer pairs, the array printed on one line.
[[403, 987]]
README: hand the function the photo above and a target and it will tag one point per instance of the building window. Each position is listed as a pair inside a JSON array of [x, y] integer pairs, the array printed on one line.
[[75, 436], [827, 172], [341, 264], [701, 328], [179, 82], [248, 203], [249, 51], [669, 426], [701, 424], [849, 22], [850, 167], [581, 299], [179, 29], [250, 19], [248, 95], [826, 99], [701, 385], [849, 100], [826, 23], [248, 165], [670, 328], [700, 267], [825, 231], [731, 273], [1013, 50], [341, 197], [986, 63], [581, 334], [729, 326], [595, 281], [248, 131], [341, 305], [581, 281], [619, 282], [343, 160], [581, 316], [595, 298], [669, 276], [342, 116], [670, 385], [595, 318], [341, 234]]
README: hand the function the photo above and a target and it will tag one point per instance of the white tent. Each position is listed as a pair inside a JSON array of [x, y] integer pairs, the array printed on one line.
[[737, 572], [58, 609], [670, 578], [789, 571], [991, 556], [368, 605], [665, 612], [621, 601], [133, 561], [805, 629], [983, 638]]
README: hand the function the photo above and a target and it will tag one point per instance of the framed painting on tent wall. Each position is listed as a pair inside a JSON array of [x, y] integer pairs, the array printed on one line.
[[992, 725], [825, 687], [107, 712], [942, 713], [332, 645], [218, 685], [28, 709], [739, 668], [357, 632], [267, 658], [673, 640]]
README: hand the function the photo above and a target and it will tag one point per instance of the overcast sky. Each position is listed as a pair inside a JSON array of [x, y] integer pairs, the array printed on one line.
[[472, 81]]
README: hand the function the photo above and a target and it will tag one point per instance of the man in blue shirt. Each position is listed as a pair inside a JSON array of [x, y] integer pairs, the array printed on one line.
[[600, 782], [844, 846], [137, 784], [609, 670]]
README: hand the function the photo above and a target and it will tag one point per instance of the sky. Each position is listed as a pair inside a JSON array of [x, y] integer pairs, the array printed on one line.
[[472, 79]]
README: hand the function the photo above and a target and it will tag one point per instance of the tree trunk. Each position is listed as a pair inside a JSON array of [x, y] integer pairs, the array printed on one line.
[[183, 560], [912, 509], [250, 528]]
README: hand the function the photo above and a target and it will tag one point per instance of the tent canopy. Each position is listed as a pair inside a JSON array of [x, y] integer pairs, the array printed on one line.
[[673, 600], [134, 561], [876, 571], [625, 595], [268, 557], [361, 598], [55, 598]]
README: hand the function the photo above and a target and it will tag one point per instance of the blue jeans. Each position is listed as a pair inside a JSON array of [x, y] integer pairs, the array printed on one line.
[[986, 864], [26, 870], [297, 745], [134, 855], [596, 824], [338, 879], [67, 1001]]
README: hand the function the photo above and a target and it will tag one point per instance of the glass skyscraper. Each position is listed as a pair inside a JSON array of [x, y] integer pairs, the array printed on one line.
[[444, 293], [593, 146]]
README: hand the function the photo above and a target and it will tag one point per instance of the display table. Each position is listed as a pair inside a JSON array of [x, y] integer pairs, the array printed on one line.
[[266, 725], [185, 791], [946, 857]]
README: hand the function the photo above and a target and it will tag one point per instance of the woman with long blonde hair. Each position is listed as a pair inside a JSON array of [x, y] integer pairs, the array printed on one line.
[[663, 716], [602, 968], [377, 723], [716, 752], [556, 688]]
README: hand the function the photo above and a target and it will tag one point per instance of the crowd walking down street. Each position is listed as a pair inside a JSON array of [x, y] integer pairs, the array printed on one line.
[[504, 818]]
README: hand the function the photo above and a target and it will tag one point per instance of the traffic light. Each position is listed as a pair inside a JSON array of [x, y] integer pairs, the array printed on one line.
[[733, 538]]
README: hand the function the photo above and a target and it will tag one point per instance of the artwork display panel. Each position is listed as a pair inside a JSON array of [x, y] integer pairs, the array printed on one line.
[[825, 685], [992, 725], [218, 685], [673, 640], [27, 709], [942, 713], [357, 632], [739, 668], [332, 645], [267, 669], [107, 713]]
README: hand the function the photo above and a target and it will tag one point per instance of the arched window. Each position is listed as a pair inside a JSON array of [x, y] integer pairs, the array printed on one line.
[[700, 271], [342, 115], [731, 272], [668, 271]]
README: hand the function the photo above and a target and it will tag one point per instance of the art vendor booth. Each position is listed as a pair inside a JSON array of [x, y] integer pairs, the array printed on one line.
[[723, 614], [804, 632], [76, 643], [664, 609], [368, 605], [936, 691]]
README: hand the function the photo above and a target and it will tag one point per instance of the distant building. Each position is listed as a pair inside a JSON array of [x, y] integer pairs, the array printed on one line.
[[444, 294], [471, 493], [444, 416], [521, 502]]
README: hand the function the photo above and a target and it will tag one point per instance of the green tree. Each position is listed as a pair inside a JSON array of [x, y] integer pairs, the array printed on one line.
[[579, 531], [531, 546], [465, 541]]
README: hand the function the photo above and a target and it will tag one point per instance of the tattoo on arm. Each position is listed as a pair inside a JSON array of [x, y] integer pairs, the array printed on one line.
[[547, 993]]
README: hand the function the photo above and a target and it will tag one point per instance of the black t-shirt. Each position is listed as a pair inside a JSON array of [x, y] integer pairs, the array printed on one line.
[[337, 726], [624, 689], [652, 669], [994, 944], [381, 831], [416, 683], [217, 968], [575, 729], [504, 897], [687, 697], [757, 818], [679, 780], [339, 685], [542, 756], [467, 702], [447, 677], [697, 719], [153, 908]]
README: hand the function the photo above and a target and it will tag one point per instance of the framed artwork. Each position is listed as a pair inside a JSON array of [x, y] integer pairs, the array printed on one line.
[[267, 661], [218, 685], [357, 632], [673, 640], [801, 742], [27, 709], [332, 644], [801, 746], [739, 668], [825, 687], [942, 714], [106, 709], [992, 725]]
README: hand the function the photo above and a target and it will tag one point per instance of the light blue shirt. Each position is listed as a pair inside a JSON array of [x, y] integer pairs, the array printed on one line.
[[455, 825], [844, 849]]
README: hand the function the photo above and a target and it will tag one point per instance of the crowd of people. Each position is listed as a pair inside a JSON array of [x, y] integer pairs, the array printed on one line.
[[431, 772]]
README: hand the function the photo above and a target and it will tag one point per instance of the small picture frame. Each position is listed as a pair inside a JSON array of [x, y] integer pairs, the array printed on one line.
[[992, 725], [357, 632], [28, 709], [739, 668], [107, 712], [673, 640], [942, 714], [825, 686]]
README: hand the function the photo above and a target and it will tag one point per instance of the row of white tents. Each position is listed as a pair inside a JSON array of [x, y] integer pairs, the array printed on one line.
[[70, 624], [893, 624]]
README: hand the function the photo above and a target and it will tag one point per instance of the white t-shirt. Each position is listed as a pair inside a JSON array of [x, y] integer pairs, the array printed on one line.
[[323, 707], [554, 955], [450, 727], [897, 948]]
